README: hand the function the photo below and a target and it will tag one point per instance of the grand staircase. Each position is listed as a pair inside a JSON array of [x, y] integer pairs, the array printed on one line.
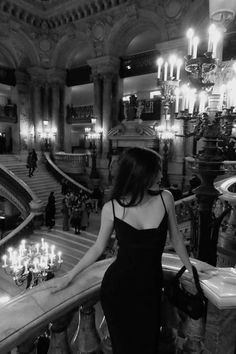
[[42, 182], [72, 246]]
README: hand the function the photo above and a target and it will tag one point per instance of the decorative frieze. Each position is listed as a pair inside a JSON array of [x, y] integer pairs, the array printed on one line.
[[44, 11]]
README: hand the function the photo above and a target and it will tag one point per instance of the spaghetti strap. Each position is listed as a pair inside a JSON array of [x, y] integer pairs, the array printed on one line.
[[113, 208], [163, 201]]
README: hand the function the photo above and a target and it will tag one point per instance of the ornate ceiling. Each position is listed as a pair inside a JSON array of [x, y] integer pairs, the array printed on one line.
[[66, 33]]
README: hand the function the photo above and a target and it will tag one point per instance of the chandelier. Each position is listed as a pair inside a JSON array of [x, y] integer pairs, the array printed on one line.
[[31, 262]]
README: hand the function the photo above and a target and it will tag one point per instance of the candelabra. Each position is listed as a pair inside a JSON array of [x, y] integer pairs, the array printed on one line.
[[31, 263]]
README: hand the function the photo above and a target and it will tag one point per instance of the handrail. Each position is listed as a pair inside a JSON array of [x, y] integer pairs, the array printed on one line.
[[18, 229], [19, 181], [64, 175], [44, 307]]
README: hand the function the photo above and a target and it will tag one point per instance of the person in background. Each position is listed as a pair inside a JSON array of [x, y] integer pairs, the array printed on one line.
[[31, 162], [76, 218], [50, 212], [141, 214], [64, 186], [66, 215]]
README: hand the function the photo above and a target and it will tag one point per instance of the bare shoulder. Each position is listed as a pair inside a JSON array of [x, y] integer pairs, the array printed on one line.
[[107, 211], [168, 198]]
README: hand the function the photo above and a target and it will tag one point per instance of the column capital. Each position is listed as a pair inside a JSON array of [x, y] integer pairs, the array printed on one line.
[[104, 65], [51, 76], [56, 76], [37, 74], [22, 77]]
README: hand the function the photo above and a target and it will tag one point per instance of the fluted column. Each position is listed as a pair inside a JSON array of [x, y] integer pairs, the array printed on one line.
[[57, 78], [37, 112], [25, 123], [107, 68]]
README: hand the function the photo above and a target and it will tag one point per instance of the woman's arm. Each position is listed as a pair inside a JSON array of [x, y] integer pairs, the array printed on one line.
[[177, 238], [94, 252]]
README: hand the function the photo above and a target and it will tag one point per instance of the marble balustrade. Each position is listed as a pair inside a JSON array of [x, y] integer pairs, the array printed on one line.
[[72, 163], [26, 316]]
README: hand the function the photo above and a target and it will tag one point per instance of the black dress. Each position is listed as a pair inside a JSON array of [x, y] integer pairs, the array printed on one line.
[[131, 288]]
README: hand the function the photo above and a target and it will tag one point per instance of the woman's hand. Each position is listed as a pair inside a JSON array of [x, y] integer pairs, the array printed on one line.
[[60, 283], [205, 270]]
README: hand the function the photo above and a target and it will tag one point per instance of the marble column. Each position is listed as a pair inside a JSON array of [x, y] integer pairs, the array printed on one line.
[[25, 124], [107, 68], [55, 114], [107, 107], [57, 79], [97, 105], [37, 110]]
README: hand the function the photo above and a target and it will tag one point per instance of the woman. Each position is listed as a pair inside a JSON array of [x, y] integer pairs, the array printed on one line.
[[141, 214], [65, 213]]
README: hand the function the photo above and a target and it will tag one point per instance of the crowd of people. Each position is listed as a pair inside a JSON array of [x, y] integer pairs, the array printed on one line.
[[77, 206]]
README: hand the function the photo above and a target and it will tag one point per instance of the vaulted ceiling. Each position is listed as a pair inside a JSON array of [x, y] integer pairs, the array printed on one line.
[[66, 33]]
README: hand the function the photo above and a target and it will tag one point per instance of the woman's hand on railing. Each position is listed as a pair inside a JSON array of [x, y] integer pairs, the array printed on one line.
[[205, 270], [60, 283]]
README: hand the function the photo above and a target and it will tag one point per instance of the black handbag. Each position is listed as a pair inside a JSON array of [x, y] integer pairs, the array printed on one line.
[[194, 305]]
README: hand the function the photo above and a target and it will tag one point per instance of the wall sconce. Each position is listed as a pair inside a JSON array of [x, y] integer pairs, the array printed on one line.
[[166, 133], [93, 120]]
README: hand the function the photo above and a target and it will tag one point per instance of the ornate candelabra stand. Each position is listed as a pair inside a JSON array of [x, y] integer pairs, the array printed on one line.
[[208, 164], [31, 263]]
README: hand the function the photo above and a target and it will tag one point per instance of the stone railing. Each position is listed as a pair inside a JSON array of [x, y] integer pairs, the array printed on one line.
[[79, 114], [58, 172], [19, 194], [27, 316], [72, 163]]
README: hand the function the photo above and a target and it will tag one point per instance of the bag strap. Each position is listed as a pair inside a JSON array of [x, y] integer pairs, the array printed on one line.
[[195, 276]]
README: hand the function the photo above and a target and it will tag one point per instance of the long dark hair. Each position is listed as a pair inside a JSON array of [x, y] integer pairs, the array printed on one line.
[[137, 171]]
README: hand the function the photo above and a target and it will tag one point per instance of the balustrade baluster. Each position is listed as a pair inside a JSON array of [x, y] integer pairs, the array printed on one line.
[[88, 337], [59, 343], [106, 340]]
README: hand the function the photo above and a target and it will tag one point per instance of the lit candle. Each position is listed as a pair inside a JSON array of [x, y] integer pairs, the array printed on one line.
[[46, 248], [178, 64], [14, 258], [195, 46], [172, 61], [26, 267], [42, 240], [159, 65], [35, 263], [216, 36], [192, 97], [37, 247], [190, 34], [177, 100], [184, 93], [52, 250], [10, 250], [23, 245], [4, 257], [59, 257], [211, 31], [19, 262], [165, 71]]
